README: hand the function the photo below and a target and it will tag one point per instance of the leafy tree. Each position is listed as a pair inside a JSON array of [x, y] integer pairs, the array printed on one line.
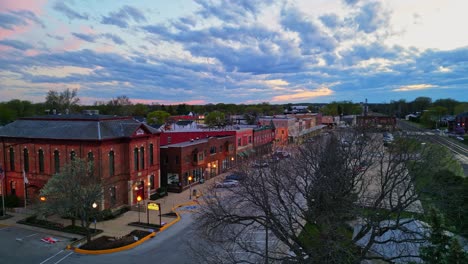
[[448, 103], [73, 191], [182, 109], [420, 104], [7, 114], [441, 248], [157, 117], [461, 108], [140, 110], [66, 100], [432, 116], [215, 118]]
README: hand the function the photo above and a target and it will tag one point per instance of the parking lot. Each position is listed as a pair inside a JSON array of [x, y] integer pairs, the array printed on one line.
[[18, 245]]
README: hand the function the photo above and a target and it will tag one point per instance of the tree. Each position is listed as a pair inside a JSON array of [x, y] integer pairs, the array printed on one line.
[[215, 118], [432, 116], [461, 108], [140, 110], [72, 192], [302, 208], [120, 105], [64, 101], [441, 248], [157, 117]]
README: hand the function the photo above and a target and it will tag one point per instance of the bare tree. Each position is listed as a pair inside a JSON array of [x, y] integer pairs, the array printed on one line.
[[330, 203], [64, 101], [73, 191]]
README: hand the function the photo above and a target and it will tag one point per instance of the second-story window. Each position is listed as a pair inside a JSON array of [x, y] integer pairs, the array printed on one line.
[[250, 139], [57, 161], [111, 163], [72, 155], [239, 142], [135, 159], [151, 157], [26, 159], [142, 158], [41, 161], [12, 159]]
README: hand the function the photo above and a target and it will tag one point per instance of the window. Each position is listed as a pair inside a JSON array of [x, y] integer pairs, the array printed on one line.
[[57, 161], [169, 140], [220, 148], [90, 157], [213, 150], [41, 160], [111, 163], [12, 159], [142, 158], [26, 159], [135, 159], [151, 157], [176, 159], [201, 156], [239, 143], [72, 155], [250, 139], [113, 195], [152, 181]]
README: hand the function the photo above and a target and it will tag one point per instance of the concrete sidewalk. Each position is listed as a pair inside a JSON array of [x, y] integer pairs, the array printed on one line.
[[119, 226]]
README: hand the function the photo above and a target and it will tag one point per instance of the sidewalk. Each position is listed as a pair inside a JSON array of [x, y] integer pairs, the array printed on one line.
[[119, 226]]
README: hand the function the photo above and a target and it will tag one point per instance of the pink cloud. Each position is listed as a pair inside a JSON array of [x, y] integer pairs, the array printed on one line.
[[31, 53], [35, 6]]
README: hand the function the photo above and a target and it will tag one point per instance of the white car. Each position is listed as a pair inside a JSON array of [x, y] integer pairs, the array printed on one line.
[[460, 138], [227, 184]]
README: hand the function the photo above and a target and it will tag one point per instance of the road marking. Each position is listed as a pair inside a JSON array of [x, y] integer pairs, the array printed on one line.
[[51, 257], [21, 238], [64, 257]]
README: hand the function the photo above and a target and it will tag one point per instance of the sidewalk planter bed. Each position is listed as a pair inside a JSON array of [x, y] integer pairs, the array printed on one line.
[[78, 230], [106, 242], [155, 227]]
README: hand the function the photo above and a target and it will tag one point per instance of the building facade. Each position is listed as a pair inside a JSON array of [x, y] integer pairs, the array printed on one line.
[[125, 154], [198, 158]]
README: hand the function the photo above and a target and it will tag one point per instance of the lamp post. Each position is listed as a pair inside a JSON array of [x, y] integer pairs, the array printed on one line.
[[138, 202], [94, 205], [190, 186]]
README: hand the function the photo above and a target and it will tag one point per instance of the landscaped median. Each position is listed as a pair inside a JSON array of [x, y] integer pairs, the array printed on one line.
[[131, 245]]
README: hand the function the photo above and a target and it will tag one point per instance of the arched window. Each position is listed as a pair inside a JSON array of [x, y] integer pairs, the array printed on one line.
[[90, 157], [12, 159], [135, 159], [142, 158], [72, 155], [111, 163], [26, 159], [41, 160], [151, 157], [57, 161]]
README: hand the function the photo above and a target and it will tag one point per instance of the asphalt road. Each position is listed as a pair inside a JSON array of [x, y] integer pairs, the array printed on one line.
[[168, 247], [19, 245]]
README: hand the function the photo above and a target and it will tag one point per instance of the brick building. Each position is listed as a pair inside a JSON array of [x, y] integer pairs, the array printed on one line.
[[200, 158], [125, 154]]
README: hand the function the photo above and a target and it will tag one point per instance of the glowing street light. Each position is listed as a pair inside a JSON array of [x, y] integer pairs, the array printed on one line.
[[43, 198], [190, 186], [138, 202]]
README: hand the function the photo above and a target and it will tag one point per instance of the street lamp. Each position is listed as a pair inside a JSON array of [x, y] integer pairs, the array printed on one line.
[[94, 205], [190, 186], [43, 198], [138, 202]]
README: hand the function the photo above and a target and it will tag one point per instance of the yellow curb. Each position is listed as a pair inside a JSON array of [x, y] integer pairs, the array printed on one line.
[[113, 250], [153, 234]]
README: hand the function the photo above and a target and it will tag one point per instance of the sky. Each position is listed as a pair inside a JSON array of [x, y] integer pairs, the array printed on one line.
[[241, 52]]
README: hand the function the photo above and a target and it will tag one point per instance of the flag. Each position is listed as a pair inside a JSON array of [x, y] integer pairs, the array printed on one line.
[[26, 181]]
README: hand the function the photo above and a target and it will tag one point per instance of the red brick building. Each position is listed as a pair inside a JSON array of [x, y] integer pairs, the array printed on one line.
[[125, 154], [200, 158]]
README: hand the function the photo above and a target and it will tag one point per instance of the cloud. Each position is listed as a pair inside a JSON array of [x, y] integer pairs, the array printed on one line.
[[330, 20], [85, 37], [414, 87], [122, 17], [18, 18], [303, 95], [313, 40], [351, 2], [230, 11], [116, 39], [371, 17], [61, 7], [15, 44]]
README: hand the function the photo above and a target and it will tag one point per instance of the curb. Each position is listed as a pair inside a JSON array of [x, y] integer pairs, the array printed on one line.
[[114, 250]]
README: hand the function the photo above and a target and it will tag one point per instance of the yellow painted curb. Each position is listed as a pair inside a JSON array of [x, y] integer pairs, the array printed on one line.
[[113, 250]]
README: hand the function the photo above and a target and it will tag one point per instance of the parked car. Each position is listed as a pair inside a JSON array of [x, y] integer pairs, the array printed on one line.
[[259, 164], [460, 138], [227, 184], [281, 154], [235, 176]]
